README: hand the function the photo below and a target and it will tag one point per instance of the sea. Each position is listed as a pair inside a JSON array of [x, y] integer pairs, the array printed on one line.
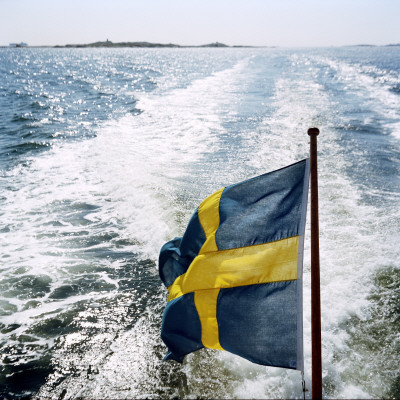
[[104, 156]]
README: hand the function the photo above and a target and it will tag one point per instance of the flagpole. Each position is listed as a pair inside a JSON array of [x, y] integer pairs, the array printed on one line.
[[316, 370]]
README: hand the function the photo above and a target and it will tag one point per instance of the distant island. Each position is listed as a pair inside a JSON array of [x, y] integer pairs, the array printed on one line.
[[108, 43]]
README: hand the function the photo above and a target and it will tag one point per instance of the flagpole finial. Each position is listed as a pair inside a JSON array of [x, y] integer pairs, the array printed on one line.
[[313, 131]]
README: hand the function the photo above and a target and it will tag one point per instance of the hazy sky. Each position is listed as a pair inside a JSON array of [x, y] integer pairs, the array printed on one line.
[[185, 22]]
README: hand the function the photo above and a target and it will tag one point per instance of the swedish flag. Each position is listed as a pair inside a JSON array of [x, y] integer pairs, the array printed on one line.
[[235, 277]]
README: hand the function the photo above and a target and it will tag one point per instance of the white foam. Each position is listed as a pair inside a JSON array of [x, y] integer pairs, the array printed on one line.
[[373, 86], [138, 172], [353, 242], [126, 181]]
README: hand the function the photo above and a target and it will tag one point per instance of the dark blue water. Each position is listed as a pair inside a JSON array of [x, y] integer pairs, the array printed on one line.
[[105, 154]]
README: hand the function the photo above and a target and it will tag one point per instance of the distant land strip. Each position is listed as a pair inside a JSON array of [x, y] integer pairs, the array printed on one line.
[[110, 44], [141, 44]]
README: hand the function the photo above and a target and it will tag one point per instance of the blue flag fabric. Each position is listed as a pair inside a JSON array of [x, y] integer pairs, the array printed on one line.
[[235, 277]]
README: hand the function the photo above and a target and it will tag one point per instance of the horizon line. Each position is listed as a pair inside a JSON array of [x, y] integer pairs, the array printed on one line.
[[145, 44]]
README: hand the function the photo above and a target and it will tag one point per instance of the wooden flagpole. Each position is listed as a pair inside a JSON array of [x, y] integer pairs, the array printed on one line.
[[316, 369]]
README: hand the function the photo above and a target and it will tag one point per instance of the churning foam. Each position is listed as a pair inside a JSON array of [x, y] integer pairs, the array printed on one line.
[[353, 241], [373, 86], [134, 180], [129, 181]]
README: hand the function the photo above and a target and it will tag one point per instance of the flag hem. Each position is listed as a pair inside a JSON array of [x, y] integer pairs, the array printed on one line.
[[300, 341]]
